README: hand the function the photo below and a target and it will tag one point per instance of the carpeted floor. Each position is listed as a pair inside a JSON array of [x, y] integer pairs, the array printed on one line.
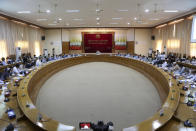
[[99, 91]]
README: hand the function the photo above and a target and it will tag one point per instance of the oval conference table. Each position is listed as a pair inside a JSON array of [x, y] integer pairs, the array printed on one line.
[[166, 86]]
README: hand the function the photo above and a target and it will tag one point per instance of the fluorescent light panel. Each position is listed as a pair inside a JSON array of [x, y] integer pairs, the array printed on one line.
[[72, 11], [77, 19], [170, 11], [51, 24], [154, 19], [24, 12], [116, 18], [41, 19], [114, 23], [123, 10]]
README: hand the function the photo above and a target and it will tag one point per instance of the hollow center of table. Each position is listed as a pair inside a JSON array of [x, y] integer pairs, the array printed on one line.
[[99, 91]]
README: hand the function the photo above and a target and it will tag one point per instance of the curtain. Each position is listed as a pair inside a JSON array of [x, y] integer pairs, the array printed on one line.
[[193, 49], [37, 49], [176, 37], [18, 35], [3, 49]]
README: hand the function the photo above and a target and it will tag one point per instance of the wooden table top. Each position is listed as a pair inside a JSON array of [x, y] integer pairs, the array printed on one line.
[[153, 123]]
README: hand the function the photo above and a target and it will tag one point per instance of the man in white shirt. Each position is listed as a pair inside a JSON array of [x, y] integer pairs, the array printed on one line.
[[38, 62], [3, 62], [16, 69]]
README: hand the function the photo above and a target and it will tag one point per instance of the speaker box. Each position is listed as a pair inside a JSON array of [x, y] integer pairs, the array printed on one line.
[[43, 38], [152, 37]]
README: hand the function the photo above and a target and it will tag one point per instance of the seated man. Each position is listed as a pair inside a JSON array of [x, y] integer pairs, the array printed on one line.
[[100, 126], [5, 74], [38, 62], [16, 70], [4, 63]]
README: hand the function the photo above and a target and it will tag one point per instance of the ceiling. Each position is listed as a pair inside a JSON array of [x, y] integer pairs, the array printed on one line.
[[114, 13]]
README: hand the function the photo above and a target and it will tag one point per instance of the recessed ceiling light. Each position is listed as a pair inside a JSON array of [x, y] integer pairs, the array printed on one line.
[[116, 18], [147, 10], [97, 18], [41, 19], [121, 10], [24, 12], [77, 19], [72, 11], [170, 11], [60, 19], [48, 11], [51, 24], [98, 23], [128, 23], [114, 23], [135, 18]]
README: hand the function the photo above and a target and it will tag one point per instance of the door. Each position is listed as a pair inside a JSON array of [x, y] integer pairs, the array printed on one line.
[[130, 47], [65, 47]]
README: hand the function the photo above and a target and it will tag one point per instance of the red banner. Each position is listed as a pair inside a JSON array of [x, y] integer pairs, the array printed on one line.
[[98, 42]]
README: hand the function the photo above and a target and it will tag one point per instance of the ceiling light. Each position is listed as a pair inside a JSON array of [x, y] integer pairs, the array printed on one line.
[[161, 26], [77, 19], [72, 11], [48, 11], [67, 24], [154, 19], [176, 21], [114, 23], [51, 24], [170, 11], [147, 10], [116, 18], [135, 18], [122, 10], [24, 12], [60, 19], [34, 26], [18, 22], [128, 23], [41, 19], [97, 18], [98, 23]]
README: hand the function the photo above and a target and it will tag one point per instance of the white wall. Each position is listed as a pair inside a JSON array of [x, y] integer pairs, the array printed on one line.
[[141, 36], [53, 40], [143, 41]]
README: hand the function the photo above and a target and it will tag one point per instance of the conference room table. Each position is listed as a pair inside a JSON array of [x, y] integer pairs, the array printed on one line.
[[166, 86], [187, 65]]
